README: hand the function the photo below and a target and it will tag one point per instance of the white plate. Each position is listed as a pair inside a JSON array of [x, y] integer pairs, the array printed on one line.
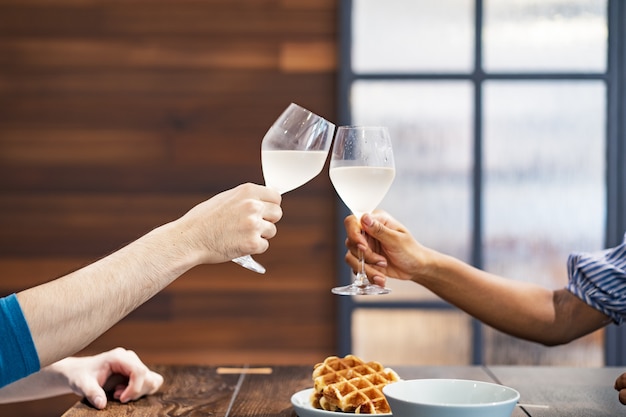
[[301, 402]]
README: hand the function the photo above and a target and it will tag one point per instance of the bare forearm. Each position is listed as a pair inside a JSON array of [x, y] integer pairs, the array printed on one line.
[[521, 309], [67, 314], [43, 384]]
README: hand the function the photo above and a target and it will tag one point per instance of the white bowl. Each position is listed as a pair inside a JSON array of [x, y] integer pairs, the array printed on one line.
[[449, 398]]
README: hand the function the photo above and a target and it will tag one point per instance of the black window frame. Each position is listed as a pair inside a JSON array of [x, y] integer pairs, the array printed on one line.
[[615, 227]]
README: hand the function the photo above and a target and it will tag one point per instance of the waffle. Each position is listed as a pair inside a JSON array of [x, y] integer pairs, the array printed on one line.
[[351, 385]]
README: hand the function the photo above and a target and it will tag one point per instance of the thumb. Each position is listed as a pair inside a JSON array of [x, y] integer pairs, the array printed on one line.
[[94, 394], [376, 229]]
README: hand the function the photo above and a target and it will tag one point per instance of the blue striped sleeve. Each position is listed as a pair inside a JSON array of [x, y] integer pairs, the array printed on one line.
[[599, 279], [18, 355]]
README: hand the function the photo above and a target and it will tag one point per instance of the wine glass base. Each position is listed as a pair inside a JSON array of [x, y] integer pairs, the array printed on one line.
[[369, 289], [249, 263]]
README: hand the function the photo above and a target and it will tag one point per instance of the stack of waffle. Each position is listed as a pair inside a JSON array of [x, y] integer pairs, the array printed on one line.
[[351, 385]]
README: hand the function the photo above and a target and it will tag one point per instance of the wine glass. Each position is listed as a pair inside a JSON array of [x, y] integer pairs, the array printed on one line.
[[361, 170], [293, 152]]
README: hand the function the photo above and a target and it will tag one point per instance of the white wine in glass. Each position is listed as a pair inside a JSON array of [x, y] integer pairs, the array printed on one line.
[[361, 170], [293, 152]]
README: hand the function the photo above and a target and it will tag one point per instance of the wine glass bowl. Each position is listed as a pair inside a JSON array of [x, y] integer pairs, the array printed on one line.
[[295, 148], [361, 169], [293, 151]]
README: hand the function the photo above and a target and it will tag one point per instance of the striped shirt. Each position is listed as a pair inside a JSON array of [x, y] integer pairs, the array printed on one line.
[[599, 279]]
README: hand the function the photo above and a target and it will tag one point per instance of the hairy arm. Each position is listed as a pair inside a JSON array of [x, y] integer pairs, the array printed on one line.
[[66, 314]]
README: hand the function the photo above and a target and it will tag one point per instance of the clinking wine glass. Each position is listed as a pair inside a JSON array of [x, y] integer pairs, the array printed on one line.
[[361, 170], [293, 151]]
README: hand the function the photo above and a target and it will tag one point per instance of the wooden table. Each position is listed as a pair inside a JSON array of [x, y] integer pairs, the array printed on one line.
[[197, 391]]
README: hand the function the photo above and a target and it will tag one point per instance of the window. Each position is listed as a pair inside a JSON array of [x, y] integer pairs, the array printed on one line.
[[507, 121]]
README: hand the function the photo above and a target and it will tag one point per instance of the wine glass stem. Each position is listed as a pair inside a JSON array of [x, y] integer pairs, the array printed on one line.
[[361, 277]]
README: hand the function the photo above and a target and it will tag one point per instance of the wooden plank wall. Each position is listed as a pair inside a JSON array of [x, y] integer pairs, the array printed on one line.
[[117, 116]]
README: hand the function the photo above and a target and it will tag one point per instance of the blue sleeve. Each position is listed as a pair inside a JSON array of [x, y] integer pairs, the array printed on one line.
[[18, 355], [599, 279]]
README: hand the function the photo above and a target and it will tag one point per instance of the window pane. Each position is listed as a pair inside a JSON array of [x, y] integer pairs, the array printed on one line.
[[412, 337], [544, 184], [430, 126], [545, 35], [412, 36]]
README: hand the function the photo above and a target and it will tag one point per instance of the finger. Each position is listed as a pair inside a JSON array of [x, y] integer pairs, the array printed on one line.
[[372, 274], [622, 396], [118, 390], [269, 231], [271, 195], [133, 390], [94, 393], [353, 231], [113, 381], [256, 191], [379, 280], [142, 384], [375, 228], [352, 261], [127, 364], [369, 255], [155, 381], [272, 213]]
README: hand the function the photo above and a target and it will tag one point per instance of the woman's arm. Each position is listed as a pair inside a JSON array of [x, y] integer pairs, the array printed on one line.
[[521, 309]]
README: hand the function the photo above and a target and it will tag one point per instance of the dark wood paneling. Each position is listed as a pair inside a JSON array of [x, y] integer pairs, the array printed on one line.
[[119, 116], [93, 224]]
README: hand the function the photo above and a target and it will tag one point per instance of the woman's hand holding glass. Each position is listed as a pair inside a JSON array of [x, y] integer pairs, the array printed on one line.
[[362, 169]]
